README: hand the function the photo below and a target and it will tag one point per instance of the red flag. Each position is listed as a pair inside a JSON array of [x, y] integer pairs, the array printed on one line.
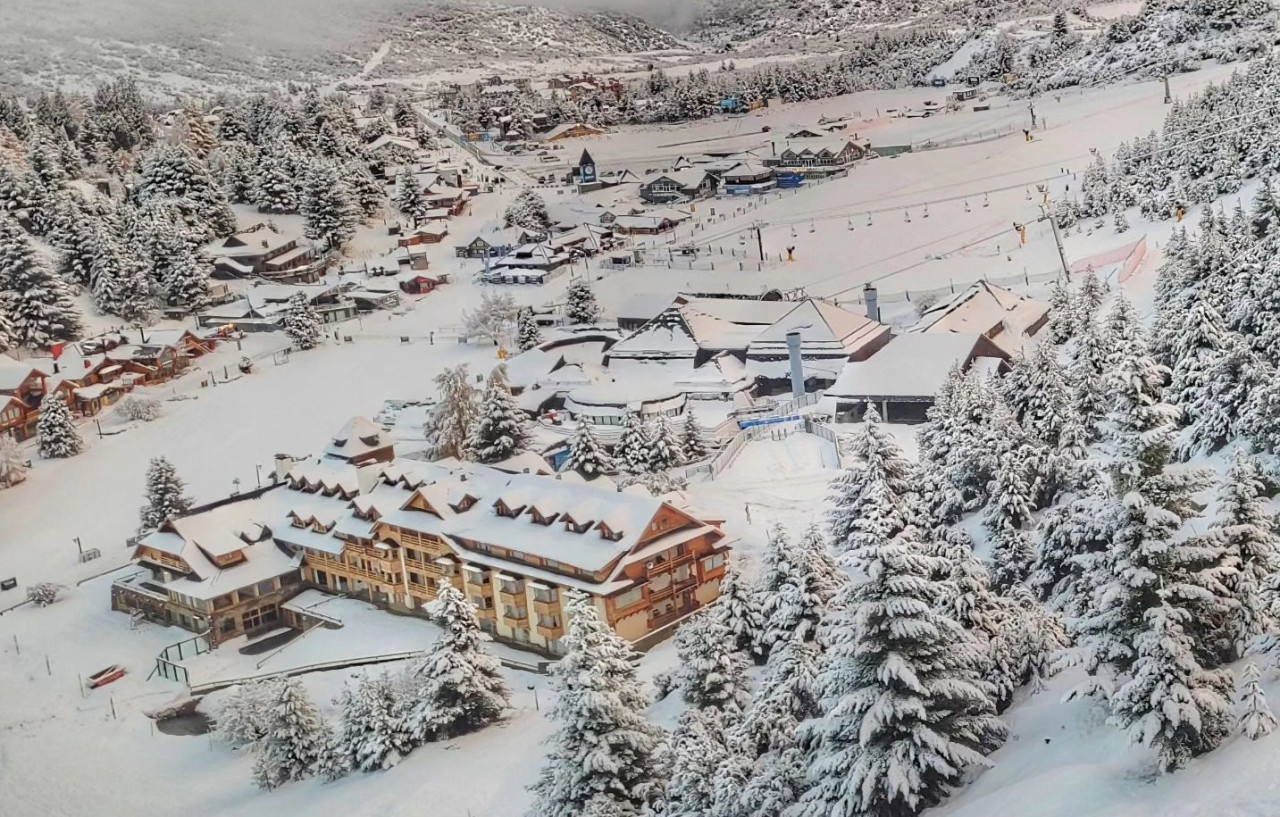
[[57, 351]]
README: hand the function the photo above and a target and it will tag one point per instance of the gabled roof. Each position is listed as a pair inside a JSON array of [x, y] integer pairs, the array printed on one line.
[[1004, 316], [389, 141], [356, 439], [825, 330], [14, 373], [688, 178]]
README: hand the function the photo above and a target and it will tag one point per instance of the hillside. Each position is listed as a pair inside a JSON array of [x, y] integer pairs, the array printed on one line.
[[461, 35]]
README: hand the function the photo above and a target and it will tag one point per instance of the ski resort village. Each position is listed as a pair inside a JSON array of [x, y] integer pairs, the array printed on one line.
[[740, 409]]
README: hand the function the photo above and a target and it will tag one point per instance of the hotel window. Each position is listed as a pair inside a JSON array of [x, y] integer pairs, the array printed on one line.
[[514, 612], [547, 595], [222, 602], [713, 561], [512, 586], [416, 578], [549, 621], [320, 578]]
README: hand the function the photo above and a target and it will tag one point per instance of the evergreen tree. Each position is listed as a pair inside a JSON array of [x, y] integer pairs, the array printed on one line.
[[499, 431], [1088, 302], [1022, 650], [527, 210], [365, 191], [869, 502], [790, 592], [461, 686], [1246, 529], [302, 322], [586, 455], [166, 496], [40, 308], [119, 280], [1124, 335], [242, 719], [275, 181], [581, 306], [632, 450], [712, 673], [75, 235], [297, 739], [1062, 314], [692, 447], [1197, 350], [1086, 377], [1257, 720], [371, 733], [13, 465], [664, 448], [331, 217], [528, 334], [603, 747], [195, 133], [739, 610], [173, 172], [451, 418], [1172, 704], [186, 281], [697, 750], [56, 434], [905, 711], [409, 198]]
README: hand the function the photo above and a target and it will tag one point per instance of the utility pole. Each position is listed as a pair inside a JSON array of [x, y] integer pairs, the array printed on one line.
[[1057, 239], [759, 241], [1031, 106], [1168, 98]]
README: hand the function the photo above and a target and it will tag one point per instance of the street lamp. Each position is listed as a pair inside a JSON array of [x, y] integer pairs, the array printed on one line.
[[534, 690]]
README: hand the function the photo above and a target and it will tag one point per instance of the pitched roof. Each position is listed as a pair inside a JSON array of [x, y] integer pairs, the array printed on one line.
[[914, 365], [825, 330], [14, 373], [1002, 315], [687, 178], [356, 439]]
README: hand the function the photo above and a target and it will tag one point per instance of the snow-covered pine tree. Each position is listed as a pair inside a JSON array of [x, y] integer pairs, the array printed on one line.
[[460, 686], [697, 751], [1256, 719], [790, 592], [1120, 222], [296, 740], [1008, 513], [580, 302], [828, 577], [528, 334], [603, 746], [1171, 703], [664, 448], [1062, 314], [302, 322], [764, 773], [242, 718], [1070, 536], [13, 464], [738, 608], [1196, 350], [7, 340], [409, 198], [905, 710], [365, 191], [527, 210], [1023, 648], [195, 132], [453, 415], [1149, 504], [173, 172], [870, 501], [330, 215], [166, 496], [712, 674], [371, 730], [692, 447], [967, 596], [632, 451], [1124, 335], [1086, 377], [39, 305], [1246, 528], [56, 434], [186, 281], [1089, 298], [586, 455], [500, 428], [275, 186]]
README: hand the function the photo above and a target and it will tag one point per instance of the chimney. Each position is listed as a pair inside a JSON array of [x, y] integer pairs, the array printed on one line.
[[797, 368], [284, 464], [869, 295]]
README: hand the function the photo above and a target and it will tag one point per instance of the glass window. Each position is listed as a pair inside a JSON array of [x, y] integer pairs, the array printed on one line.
[[632, 597], [713, 561]]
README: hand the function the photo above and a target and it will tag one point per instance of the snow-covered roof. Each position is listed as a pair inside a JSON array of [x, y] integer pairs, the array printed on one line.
[[249, 243], [632, 393], [914, 365], [644, 305], [561, 130], [687, 179], [359, 437], [1005, 317], [14, 373], [722, 373], [815, 146], [825, 330], [389, 141]]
